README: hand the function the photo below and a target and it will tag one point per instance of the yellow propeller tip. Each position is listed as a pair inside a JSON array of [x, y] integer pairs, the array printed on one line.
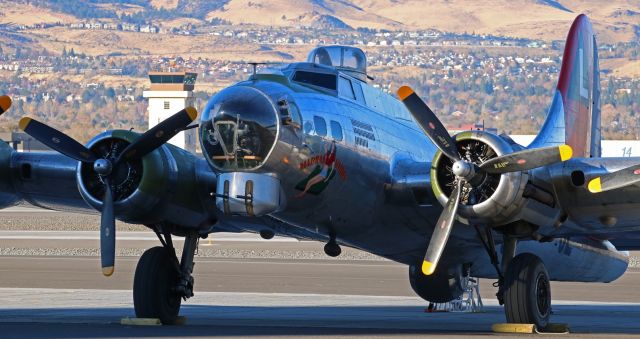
[[428, 268], [404, 92], [566, 152], [24, 122], [192, 112], [595, 185], [5, 103], [107, 271]]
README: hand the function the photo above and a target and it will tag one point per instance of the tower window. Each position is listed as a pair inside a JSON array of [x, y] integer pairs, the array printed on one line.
[[166, 105]]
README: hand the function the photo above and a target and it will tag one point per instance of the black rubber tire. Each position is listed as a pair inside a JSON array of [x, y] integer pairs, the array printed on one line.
[[332, 249], [527, 291], [154, 286]]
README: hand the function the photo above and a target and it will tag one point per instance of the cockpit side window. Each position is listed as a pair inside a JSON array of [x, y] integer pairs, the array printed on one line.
[[345, 89], [321, 126], [324, 80]]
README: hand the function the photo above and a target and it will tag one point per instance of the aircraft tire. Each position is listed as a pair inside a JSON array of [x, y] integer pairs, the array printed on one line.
[[332, 249], [153, 286], [527, 291]]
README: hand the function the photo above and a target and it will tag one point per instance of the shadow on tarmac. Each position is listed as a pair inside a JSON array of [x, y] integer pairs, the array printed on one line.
[[278, 321]]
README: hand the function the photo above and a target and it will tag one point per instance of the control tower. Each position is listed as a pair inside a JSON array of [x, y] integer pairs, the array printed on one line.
[[170, 92]]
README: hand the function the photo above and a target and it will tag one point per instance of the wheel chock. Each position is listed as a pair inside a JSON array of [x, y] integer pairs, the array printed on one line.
[[529, 328], [180, 320], [140, 321]]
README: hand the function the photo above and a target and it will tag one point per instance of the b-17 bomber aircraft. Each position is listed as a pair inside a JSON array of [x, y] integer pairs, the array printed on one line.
[[313, 151]]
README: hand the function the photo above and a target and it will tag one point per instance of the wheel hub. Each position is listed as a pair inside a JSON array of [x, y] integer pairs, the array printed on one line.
[[542, 295]]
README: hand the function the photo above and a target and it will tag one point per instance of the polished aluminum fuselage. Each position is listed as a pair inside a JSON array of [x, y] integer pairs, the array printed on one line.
[[383, 204]]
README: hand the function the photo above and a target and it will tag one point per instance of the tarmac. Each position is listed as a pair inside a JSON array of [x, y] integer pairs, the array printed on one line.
[[246, 287]]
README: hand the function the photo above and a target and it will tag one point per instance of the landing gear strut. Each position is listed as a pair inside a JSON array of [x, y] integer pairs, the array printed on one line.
[[523, 282], [161, 282]]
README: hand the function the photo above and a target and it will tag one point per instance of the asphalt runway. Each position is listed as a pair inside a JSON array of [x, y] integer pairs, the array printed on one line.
[[248, 294]]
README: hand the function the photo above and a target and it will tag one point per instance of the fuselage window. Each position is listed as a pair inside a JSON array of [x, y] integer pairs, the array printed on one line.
[[336, 131], [324, 80], [321, 126], [345, 89]]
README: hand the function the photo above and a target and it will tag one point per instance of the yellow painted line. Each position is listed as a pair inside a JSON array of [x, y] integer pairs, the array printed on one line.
[[565, 152], [404, 92], [24, 122], [428, 267], [595, 185], [140, 321]]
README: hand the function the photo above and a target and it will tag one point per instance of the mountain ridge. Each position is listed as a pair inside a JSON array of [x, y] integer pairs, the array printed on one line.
[[614, 20]]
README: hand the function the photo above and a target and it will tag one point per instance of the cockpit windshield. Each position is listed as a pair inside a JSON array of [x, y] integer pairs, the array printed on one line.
[[238, 129], [347, 59]]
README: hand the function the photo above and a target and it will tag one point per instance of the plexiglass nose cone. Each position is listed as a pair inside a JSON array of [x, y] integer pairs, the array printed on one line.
[[238, 129]]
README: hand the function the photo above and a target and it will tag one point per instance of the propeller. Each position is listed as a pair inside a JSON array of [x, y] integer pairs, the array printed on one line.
[[465, 171], [143, 145], [610, 181], [5, 103]]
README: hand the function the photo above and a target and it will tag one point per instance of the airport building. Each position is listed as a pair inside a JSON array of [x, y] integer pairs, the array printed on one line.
[[169, 93]]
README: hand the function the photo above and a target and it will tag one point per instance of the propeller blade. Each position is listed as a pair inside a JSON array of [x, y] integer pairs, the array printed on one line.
[[107, 232], [429, 123], [159, 134], [56, 140], [441, 232], [5, 103], [527, 159], [624, 177]]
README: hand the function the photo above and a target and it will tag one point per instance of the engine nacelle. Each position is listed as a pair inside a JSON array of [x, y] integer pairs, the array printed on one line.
[[491, 199], [446, 284], [159, 187]]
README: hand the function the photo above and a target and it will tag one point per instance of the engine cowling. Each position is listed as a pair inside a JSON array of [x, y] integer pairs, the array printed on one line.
[[490, 199], [446, 284], [160, 187]]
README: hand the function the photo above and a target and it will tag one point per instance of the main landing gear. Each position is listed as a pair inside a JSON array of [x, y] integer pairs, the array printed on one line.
[[524, 288], [161, 282]]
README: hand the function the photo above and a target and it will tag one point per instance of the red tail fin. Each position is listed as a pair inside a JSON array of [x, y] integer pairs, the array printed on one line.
[[574, 117]]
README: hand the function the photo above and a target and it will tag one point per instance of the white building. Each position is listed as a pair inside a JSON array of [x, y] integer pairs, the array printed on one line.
[[610, 148], [170, 92]]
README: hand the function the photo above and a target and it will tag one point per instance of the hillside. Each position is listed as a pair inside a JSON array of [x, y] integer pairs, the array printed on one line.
[[615, 20]]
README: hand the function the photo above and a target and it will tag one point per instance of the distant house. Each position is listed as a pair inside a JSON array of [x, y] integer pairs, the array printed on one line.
[[111, 26], [130, 27], [148, 29], [93, 25]]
